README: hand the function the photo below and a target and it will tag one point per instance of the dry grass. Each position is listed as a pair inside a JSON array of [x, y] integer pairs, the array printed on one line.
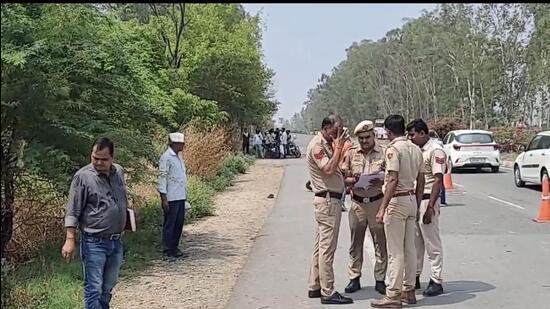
[[205, 150], [38, 217]]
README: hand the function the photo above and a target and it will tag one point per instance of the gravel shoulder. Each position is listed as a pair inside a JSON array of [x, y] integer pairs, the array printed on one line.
[[217, 248]]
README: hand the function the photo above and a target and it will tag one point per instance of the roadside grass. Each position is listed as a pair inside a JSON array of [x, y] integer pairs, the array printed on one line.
[[48, 282]]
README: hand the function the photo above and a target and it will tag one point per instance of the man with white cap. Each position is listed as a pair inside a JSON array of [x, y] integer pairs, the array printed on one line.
[[172, 186], [368, 158]]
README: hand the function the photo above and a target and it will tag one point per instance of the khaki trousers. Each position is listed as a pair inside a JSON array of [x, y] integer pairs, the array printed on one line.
[[328, 212], [400, 227], [427, 239], [362, 215]]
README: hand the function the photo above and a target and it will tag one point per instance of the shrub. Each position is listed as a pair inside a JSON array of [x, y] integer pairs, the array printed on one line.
[[511, 138], [200, 196], [205, 150], [445, 125]]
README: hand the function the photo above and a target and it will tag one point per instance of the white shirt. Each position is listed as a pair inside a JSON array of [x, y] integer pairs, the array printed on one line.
[[172, 176], [283, 138], [258, 139]]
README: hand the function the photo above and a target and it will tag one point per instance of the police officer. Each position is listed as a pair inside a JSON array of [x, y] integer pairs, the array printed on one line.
[[398, 211], [328, 184], [427, 232], [368, 158]]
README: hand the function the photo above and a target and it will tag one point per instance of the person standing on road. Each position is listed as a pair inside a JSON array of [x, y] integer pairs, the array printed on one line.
[[366, 159], [172, 187], [398, 211], [246, 141], [97, 207], [284, 142], [258, 141], [435, 138], [328, 184], [427, 228]]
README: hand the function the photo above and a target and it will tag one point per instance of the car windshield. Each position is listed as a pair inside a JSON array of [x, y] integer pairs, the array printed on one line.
[[474, 138]]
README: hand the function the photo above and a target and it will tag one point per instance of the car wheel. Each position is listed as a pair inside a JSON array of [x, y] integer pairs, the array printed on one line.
[[451, 168], [495, 169], [544, 173], [517, 177]]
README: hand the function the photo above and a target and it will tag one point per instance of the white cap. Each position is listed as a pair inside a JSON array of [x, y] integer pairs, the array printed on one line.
[[176, 137], [363, 126]]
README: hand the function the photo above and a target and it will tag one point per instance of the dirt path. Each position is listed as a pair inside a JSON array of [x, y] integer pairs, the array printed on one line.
[[217, 248]]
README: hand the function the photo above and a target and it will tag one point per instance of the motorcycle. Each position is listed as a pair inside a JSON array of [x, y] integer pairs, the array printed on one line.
[[294, 150]]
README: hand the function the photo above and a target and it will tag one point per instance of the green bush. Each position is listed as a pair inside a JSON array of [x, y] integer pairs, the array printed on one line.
[[237, 163], [201, 198], [6, 285], [221, 182], [232, 165]]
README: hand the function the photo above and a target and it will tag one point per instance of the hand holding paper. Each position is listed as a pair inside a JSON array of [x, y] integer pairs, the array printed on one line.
[[368, 180]]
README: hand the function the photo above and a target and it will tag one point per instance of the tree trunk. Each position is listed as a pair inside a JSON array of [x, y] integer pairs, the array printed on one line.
[[9, 166], [485, 120], [472, 105]]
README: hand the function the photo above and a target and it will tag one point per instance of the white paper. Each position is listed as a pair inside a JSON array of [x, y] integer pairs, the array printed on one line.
[[132, 218], [365, 179]]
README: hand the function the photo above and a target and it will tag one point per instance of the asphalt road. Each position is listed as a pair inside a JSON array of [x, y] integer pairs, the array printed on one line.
[[495, 256]]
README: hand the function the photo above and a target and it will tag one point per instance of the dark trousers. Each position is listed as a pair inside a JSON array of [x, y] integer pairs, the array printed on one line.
[[246, 148], [173, 225]]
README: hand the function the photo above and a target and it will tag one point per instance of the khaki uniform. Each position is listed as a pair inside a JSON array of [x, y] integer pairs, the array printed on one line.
[[328, 212], [400, 218], [363, 214], [427, 235]]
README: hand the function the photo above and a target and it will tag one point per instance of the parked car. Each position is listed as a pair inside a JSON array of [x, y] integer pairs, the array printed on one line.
[[472, 148], [379, 129], [534, 162]]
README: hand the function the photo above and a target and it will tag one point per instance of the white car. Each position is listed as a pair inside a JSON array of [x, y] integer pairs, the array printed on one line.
[[379, 130], [472, 148], [532, 164]]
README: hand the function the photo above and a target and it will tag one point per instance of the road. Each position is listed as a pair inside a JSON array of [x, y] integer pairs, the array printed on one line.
[[495, 256]]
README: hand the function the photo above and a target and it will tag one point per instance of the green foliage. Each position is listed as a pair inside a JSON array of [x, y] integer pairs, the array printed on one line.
[[479, 64], [233, 165], [201, 198], [74, 72]]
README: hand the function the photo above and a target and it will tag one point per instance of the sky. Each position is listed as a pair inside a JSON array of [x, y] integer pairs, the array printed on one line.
[[302, 41]]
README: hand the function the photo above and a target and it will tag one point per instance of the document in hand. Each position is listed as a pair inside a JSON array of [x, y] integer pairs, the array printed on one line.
[[130, 220], [364, 181]]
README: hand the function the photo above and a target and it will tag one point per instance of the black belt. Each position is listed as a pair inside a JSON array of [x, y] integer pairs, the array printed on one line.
[[332, 194], [114, 236], [361, 199]]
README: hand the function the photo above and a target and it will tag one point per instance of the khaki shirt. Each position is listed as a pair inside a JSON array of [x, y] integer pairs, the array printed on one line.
[[358, 163], [434, 163], [318, 154], [404, 157]]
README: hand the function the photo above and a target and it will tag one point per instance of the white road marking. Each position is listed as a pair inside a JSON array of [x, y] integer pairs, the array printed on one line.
[[505, 202], [458, 185]]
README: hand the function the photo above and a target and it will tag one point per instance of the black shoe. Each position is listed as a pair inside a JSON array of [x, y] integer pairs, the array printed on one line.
[[417, 285], [380, 287], [433, 289], [174, 253], [353, 286], [336, 299], [314, 294]]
